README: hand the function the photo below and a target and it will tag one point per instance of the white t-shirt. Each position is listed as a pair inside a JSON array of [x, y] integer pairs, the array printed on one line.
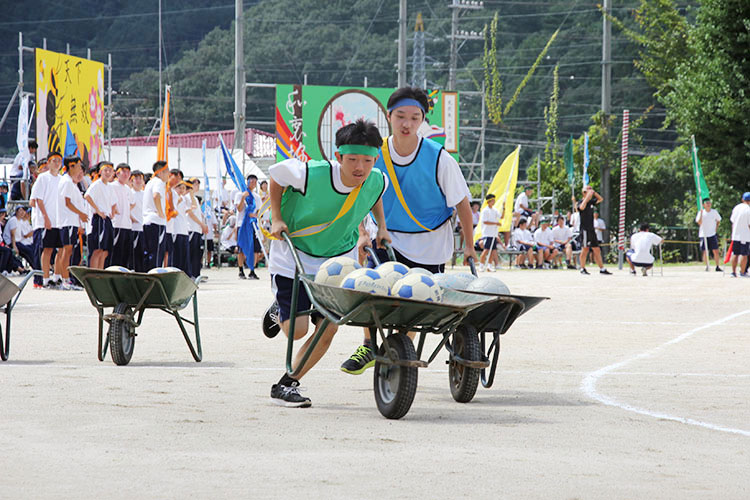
[[434, 247], [48, 193], [68, 189], [22, 228], [137, 211], [37, 219], [641, 243], [193, 226], [709, 222], [228, 238], [522, 199], [544, 236], [182, 205], [104, 198], [561, 233], [20, 167], [599, 226], [740, 222], [10, 226], [524, 235], [575, 221], [150, 215], [238, 200], [293, 173], [124, 198], [490, 215]]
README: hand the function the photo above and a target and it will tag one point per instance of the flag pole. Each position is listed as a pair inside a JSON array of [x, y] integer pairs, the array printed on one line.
[[623, 186], [700, 202]]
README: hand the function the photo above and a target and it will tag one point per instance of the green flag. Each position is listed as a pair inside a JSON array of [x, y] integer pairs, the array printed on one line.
[[701, 188], [568, 157]]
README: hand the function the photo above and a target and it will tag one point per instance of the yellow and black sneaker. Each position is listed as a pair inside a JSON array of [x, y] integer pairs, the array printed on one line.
[[362, 359]]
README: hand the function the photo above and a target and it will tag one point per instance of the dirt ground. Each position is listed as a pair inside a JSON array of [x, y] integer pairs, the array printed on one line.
[[617, 387]]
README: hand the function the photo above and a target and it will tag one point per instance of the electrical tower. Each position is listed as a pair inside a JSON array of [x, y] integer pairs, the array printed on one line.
[[419, 77], [459, 9]]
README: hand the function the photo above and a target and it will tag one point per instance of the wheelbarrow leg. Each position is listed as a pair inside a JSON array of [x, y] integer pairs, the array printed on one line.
[[102, 350], [5, 344], [195, 349]]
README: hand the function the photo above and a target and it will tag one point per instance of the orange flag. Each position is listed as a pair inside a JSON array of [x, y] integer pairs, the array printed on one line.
[[162, 152]]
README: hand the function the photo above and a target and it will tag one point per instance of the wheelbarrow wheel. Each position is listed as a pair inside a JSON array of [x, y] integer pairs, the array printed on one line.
[[464, 380], [121, 336], [395, 386]]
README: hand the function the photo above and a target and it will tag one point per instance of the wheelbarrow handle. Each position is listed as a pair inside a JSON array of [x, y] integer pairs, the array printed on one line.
[[374, 255], [473, 268], [297, 262]]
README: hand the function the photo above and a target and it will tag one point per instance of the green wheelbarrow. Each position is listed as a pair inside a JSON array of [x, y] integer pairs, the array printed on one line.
[[129, 295], [9, 295]]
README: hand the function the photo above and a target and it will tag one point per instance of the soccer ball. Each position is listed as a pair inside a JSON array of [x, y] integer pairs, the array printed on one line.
[[418, 286], [419, 270], [162, 270], [173, 269], [119, 269], [441, 279], [392, 272], [333, 270], [366, 280], [459, 281], [488, 284]]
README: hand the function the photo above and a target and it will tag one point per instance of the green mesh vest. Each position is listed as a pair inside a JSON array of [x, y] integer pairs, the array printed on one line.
[[321, 203]]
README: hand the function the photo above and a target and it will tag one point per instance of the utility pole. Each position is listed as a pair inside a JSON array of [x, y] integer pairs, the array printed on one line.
[[458, 7], [606, 106], [239, 79], [402, 43]]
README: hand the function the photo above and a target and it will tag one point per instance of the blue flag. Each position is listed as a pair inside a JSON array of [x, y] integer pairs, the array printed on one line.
[[71, 148], [245, 233], [586, 179], [206, 207]]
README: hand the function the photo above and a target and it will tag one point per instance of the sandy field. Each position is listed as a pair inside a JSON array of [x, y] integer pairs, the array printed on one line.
[[617, 387]]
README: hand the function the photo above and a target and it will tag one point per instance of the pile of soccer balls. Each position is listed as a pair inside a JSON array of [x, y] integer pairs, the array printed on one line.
[[156, 270], [397, 280]]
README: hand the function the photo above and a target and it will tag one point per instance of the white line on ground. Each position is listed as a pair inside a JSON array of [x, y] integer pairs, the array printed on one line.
[[588, 385]]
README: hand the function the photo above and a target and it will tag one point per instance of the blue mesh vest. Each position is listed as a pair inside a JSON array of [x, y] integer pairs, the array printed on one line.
[[419, 185], [320, 204]]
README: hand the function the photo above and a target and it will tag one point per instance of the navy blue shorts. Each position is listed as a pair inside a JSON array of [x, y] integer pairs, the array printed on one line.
[[713, 243], [101, 235], [490, 243], [51, 238], [284, 298], [524, 248], [69, 235], [740, 247]]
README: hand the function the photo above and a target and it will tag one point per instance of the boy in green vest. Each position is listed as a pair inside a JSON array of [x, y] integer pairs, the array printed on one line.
[[322, 206]]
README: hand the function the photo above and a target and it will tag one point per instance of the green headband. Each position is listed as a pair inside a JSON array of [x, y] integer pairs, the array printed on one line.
[[358, 149]]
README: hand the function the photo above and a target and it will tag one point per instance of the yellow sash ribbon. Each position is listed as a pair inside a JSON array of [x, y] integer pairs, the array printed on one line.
[[396, 187]]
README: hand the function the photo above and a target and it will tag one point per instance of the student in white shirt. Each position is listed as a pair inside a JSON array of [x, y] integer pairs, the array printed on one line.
[[102, 207], [490, 220], [599, 227], [228, 239], [179, 257], [741, 236], [197, 228], [708, 222], [137, 260], [71, 212], [639, 254], [122, 222], [562, 237], [524, 242], [21, 239], [545, 245], [20, 172], [154, 217], [44, 195], [175, 177]]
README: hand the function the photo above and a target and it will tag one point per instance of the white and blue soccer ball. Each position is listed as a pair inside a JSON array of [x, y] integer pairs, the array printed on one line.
[[366, 280], [459, 281], [419, 270], [441, 279], [333, 270], [163, 270], [392, 272], [120, 269], [417, 286], [488, 284]]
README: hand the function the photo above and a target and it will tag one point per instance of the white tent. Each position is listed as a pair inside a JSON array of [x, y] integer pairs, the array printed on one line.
[[189, 160]]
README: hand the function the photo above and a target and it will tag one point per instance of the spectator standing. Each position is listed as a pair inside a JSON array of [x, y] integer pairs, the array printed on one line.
[[490, 219], [708, 221], [588, 239], [741, 236]]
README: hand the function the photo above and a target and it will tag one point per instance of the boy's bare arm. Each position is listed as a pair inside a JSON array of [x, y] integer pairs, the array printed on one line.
[[277, 225], [379, 214], [463, 209], [157, 204]]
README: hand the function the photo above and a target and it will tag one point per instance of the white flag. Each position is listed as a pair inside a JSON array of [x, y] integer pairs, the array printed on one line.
[[22, 139]]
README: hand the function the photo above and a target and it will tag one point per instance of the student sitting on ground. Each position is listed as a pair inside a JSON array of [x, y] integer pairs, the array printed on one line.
[[639, 254]]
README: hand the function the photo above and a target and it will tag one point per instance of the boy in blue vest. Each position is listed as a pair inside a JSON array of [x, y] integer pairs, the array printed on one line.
[[317, 194], [425, 185]]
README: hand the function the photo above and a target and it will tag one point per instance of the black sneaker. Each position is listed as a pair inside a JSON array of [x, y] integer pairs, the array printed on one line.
[[252, 276], [289, 396], [719, 270], [242, 276], [604, 271], [362, 359], [271, 321], [584, 271], [632, 271], [571, 266]]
